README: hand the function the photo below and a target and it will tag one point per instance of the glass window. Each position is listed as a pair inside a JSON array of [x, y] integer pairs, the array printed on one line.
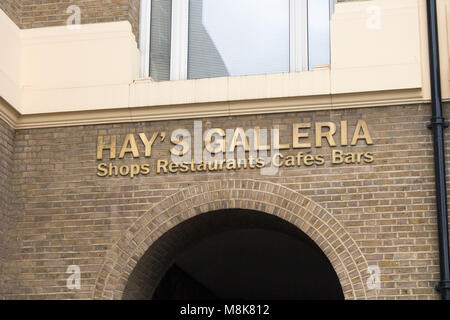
[[318, 32], [160, 36], [236, 37], [192, 39]]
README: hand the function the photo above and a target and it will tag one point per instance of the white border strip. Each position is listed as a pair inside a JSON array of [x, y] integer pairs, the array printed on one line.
[[144, 37], [180, 35], [298, 34]]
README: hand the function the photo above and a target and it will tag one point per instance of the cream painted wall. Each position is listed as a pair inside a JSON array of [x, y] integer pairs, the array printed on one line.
[[376, 45], [77, 69], [444, 45], [96, 67], [10, 54]]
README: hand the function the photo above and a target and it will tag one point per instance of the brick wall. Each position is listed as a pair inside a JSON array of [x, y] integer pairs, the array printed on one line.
[[6, 151], [67, 215], [12, 8]]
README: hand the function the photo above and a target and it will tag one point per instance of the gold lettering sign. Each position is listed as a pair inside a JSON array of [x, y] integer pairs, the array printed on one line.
[[259, 152]]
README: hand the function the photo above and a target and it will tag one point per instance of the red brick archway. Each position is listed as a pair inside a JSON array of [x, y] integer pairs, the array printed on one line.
[[287, 204]]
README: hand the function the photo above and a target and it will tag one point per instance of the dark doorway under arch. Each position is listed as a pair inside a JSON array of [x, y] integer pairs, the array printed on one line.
[[234, 254]]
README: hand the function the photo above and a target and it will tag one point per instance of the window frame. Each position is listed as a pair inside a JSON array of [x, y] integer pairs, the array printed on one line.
[[144, 36], [180, 40], [298, 37]]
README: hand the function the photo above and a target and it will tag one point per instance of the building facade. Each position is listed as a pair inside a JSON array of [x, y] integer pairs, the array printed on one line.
[[90, 185]]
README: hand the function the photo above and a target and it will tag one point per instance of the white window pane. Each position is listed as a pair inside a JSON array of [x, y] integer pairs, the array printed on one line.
[[238, 37], [319, 32]]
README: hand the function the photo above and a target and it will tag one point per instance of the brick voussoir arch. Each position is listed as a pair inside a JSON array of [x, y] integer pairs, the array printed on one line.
[[289, 205]]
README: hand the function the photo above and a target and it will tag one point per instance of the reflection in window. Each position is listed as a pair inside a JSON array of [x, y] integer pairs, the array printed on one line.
[[160, 39], [235, 37], [318, 32], [192, 39]]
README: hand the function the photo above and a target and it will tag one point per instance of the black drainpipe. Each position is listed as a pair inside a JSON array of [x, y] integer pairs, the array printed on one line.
[[438, 125]]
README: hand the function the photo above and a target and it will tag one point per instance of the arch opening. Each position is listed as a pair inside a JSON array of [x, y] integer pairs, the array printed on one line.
[[233, 254]]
